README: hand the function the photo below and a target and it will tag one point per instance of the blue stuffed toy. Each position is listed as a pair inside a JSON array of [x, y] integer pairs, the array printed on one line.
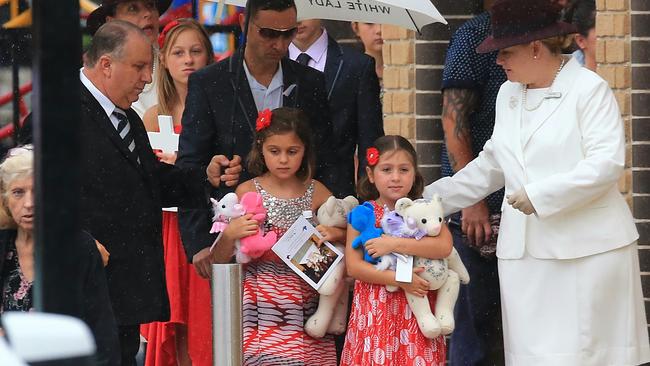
[[362, 219]]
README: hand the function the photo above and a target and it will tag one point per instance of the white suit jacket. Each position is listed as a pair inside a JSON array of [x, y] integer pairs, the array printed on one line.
[[569, 164]]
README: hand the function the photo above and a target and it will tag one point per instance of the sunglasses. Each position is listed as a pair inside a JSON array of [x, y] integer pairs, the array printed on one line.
[[271, 33]]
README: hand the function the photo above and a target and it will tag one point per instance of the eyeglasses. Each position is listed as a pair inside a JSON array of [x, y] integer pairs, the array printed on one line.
[[272, 33]]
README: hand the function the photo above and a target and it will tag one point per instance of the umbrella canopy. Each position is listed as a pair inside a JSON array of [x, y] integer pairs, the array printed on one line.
[[411, 14]]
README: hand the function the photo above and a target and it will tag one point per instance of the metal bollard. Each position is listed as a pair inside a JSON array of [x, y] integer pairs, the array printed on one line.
[[227, 336]]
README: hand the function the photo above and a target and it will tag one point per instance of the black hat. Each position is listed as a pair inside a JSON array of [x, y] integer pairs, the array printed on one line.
[[522, 21], [98, 17]]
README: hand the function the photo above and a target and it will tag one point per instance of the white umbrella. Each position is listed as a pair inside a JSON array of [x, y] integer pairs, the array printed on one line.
[[411, 14]]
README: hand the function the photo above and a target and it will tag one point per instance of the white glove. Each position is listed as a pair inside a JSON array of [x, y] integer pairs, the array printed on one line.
[[520, 201]]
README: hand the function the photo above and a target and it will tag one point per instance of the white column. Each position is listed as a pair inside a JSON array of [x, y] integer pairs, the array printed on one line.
[[227, 315]]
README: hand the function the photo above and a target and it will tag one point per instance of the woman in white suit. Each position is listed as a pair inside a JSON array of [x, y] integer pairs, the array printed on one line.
[[568, 260]]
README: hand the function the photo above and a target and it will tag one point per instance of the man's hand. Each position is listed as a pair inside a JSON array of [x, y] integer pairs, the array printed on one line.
[[476, 224], [230, 168], [520, 201], [231, 175], [202, 262]]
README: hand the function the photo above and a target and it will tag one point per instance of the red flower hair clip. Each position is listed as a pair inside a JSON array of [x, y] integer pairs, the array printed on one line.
[[163, 34], [372, 156], [263, 120]]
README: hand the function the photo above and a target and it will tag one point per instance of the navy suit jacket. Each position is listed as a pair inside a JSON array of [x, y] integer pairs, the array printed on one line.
[[353, 93], [214, 123]]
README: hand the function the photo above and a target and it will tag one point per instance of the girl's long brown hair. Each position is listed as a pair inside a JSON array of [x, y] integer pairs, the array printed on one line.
[[284, 120], [387, 144]]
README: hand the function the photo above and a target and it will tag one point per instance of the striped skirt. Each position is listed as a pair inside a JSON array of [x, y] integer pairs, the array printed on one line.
[[276, 306]]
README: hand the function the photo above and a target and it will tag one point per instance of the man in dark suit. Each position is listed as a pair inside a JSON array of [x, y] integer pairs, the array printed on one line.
[[223, 102], [123, 185], [353, 94]]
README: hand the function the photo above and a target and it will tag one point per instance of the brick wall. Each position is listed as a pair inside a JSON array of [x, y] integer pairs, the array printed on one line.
[[399, 81], [639, 58], [430, 51], [613, 57], [412, 75]]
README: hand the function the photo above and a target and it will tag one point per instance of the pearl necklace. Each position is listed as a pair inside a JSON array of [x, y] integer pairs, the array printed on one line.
[[546, 94]]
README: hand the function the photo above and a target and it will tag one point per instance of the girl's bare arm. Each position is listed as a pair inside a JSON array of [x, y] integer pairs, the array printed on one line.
[[366, 272], [433, 247]]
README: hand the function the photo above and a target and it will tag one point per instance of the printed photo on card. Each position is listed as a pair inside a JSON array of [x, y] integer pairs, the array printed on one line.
[[298, 248]]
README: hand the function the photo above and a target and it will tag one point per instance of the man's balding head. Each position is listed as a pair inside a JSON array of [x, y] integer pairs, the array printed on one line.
[[118, 62], [110, 39]]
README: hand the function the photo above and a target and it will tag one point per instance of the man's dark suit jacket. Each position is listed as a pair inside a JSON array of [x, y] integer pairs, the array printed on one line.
[[121, 203], [214, 123], [353, 93]]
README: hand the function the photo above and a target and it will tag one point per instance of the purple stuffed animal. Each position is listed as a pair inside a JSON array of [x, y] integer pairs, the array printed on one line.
[[394, 225]]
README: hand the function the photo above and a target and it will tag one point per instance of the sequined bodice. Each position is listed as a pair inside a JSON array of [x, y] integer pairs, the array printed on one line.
[[282, 213]]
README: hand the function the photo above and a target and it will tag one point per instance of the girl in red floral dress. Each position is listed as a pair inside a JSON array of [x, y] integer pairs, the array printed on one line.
[[382, 329]]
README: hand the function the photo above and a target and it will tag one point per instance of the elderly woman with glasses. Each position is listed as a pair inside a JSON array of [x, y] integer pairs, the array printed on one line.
[[17, 257]]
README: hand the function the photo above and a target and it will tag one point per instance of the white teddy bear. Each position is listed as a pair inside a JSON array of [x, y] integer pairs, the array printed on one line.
[[444, 275], [331, 315]]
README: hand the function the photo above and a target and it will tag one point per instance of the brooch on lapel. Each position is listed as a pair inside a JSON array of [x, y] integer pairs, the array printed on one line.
[[513, 102], [289, 90]]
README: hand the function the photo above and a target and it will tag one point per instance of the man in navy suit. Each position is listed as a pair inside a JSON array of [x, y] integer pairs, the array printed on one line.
[[223, 102], [353, 95]]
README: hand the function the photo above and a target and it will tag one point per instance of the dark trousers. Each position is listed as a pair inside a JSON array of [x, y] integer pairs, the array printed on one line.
[[478, 336], [129, 343]]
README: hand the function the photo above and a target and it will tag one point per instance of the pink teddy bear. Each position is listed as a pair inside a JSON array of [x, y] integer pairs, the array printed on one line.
[[228, 208]]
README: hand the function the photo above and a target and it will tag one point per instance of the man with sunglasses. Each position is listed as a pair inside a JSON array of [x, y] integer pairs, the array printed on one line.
[[353, 94], [223, 102]]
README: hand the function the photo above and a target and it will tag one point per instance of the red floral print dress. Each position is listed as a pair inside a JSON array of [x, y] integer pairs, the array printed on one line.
[[382, 330]]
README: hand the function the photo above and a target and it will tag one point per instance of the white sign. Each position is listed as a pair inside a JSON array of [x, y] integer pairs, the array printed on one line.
[[165, 140], [404, 268]]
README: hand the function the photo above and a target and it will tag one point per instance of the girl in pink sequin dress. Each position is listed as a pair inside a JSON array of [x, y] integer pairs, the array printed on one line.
[[382, 329], [276, 301]]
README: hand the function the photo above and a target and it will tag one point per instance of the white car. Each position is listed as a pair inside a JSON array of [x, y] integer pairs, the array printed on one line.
[[36, 337]]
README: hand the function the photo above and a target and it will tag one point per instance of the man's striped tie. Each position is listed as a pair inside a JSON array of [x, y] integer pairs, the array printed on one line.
[[124, 129]]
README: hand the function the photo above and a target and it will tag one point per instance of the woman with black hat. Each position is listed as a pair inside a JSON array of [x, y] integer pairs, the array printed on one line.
[[567, 253]]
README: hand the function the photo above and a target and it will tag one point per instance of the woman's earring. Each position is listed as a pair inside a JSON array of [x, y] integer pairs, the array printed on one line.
[[535, 57]]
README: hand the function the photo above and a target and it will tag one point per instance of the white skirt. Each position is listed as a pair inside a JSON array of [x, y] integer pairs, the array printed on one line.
[[585, 311]]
